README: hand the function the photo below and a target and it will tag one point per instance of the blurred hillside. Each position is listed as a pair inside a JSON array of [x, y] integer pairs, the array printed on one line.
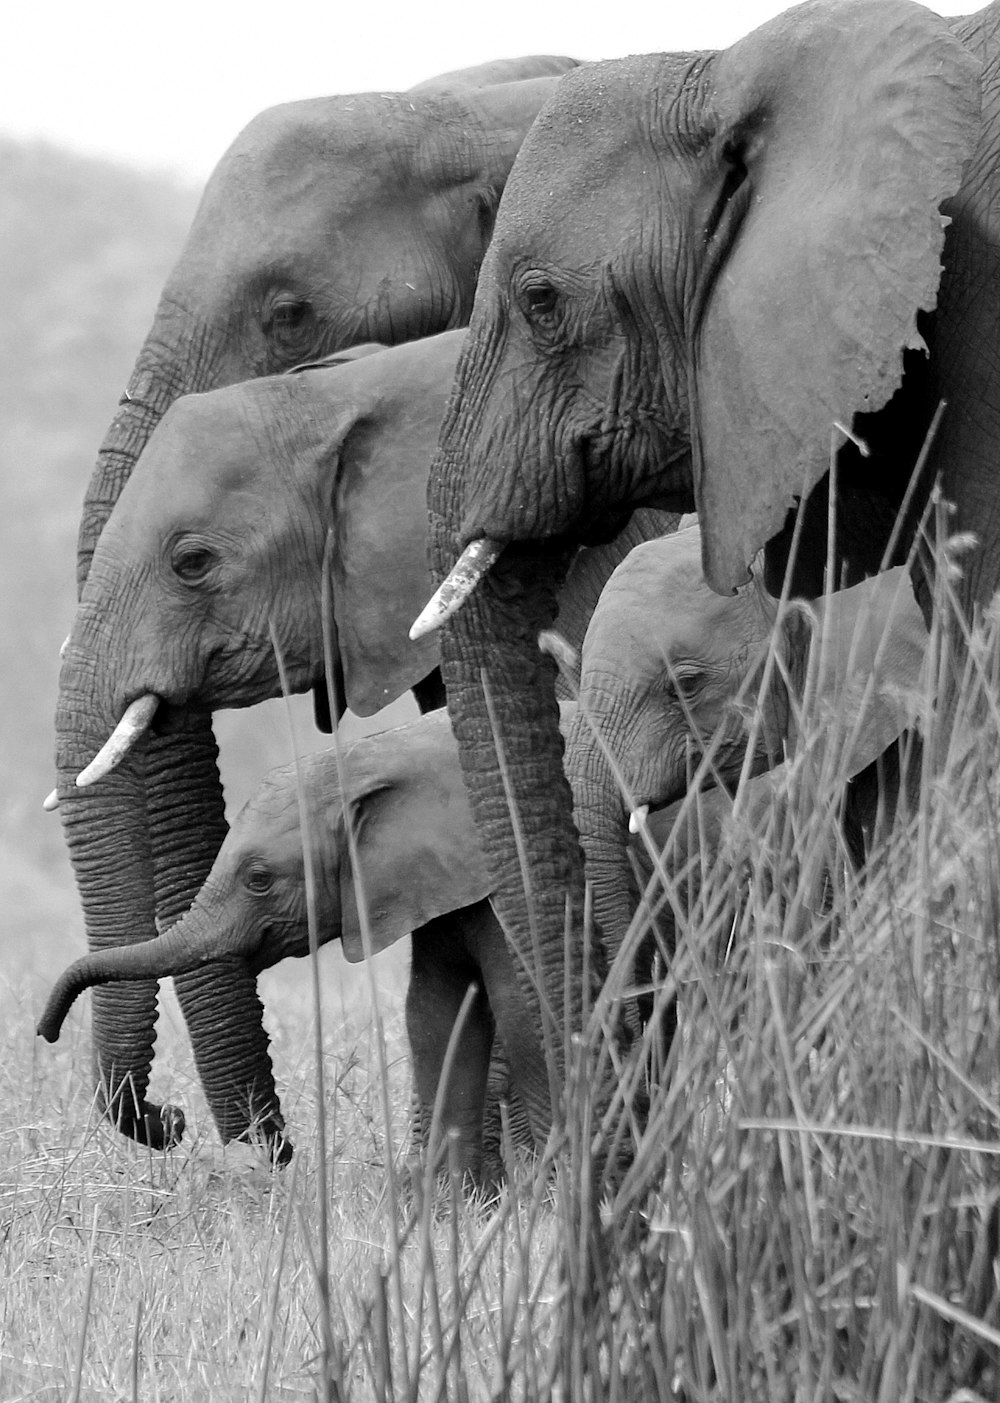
[[84, 250]]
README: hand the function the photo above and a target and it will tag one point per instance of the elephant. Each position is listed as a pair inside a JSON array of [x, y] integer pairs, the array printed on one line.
[[327, 223], [206, 591], [392, 850], [708, 271], [672, 680]]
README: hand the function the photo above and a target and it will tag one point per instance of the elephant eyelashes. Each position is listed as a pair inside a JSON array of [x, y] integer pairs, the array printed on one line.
[[192, 564], [289, 320], [258, 880], [540, 300], [684, 686]]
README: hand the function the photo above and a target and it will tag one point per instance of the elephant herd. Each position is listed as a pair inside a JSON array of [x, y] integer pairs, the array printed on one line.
[[691, 282]]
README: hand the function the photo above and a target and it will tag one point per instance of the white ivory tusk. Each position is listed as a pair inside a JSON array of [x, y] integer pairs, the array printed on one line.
[[133, 724], [637, 818], [65, 645], [51, 801], [468, 570]]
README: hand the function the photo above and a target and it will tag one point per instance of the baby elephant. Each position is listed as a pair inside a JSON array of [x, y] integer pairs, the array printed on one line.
[[673, 675], [392, 850]]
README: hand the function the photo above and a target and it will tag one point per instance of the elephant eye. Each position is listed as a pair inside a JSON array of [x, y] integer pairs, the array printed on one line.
[[540, 299], [684, 685], [192, 563], [288, 316], [258, 879]]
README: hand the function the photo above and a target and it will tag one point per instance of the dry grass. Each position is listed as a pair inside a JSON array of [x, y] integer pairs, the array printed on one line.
[[810, 1212]]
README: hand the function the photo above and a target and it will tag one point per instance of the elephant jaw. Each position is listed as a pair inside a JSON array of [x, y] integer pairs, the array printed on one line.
[[472, 565], [134, 724]]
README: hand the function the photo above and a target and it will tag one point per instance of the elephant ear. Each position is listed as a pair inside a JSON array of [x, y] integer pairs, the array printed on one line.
[[379, 557], [838, 130], [418, 856], [866, 666]]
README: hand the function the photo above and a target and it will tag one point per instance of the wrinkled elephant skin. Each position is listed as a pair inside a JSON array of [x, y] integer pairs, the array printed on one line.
[[702, 264]]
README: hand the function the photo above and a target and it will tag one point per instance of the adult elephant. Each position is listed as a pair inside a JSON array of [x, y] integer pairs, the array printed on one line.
[[702, 264], [214, 557], [328, 222]]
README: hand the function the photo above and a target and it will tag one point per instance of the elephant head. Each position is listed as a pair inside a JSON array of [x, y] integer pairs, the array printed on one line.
[[677, 681], [328, 222], [702, 264]]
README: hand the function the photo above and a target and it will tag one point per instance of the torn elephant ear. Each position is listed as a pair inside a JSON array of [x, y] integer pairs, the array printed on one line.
[[866, 668], [848, 126]]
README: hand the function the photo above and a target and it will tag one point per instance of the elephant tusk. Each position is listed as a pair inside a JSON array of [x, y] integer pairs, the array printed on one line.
[[134, 723], [51, 801], [470, 567], [64, 645], [637, 818]]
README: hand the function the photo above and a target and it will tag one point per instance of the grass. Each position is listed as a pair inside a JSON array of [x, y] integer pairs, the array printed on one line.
[[810, 1212]]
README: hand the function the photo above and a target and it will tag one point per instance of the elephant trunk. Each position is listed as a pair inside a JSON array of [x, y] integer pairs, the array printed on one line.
[[501, 698], [176, 953], [602, 819], [108, 839], [164, 811]]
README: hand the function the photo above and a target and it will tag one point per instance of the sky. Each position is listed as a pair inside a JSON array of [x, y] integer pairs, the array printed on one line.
[[167, 84]]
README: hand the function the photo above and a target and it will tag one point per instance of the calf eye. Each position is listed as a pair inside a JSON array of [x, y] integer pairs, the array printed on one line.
[[192, 563], [258, 879], [684, 684]]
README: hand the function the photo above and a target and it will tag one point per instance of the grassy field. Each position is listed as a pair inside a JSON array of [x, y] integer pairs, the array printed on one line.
[[809, 1212]]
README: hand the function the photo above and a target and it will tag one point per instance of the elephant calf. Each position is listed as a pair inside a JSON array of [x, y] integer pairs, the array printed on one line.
[[392, 850], [678, 680]]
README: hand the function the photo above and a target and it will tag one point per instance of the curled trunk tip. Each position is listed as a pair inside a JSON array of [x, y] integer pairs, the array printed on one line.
[[70, 983]]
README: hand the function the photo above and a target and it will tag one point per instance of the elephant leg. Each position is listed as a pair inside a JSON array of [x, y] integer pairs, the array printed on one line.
[[441, 975], [517, 1031]]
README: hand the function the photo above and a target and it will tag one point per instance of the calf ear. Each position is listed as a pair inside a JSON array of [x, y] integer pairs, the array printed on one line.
[[835, 132], [418, 856], [866, 665], [378, 563]]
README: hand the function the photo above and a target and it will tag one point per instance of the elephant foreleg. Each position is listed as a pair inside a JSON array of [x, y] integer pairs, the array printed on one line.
[[441, 975]]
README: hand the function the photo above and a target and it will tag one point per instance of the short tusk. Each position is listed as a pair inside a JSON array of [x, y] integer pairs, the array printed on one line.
[[51, 801], [65, 645], [134, 723], [470, 567], [637, 818]]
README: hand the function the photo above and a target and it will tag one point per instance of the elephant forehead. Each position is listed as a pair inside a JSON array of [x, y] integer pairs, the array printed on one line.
[[310, 155], [657, 603], [238, 438], [601, 131]]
